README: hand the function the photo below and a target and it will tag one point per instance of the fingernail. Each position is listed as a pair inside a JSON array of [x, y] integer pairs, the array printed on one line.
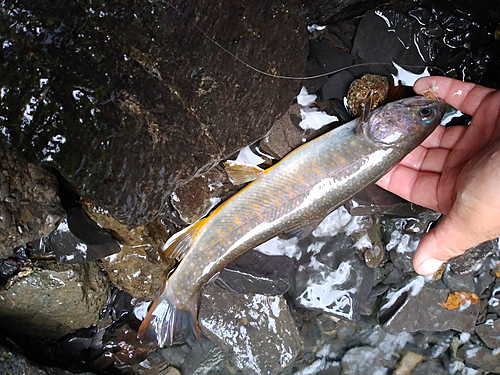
[[429, 266]]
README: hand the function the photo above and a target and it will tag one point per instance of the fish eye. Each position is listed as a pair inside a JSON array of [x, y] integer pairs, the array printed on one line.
[[427, 114]]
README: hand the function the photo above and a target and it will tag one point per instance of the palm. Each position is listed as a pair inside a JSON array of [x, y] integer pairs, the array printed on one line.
[[437, 170]]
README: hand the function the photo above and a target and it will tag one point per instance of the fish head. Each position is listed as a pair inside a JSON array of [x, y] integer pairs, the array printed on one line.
[[404, 123]]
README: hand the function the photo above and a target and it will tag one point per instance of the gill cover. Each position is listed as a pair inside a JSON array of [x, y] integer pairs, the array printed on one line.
[[402, 120]]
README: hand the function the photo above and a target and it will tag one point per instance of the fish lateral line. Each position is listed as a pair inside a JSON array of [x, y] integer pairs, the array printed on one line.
[[285, 77]]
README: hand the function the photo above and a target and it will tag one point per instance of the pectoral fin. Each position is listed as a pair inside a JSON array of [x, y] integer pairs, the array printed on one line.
[[302, 232], [240, 173], [178, 245]]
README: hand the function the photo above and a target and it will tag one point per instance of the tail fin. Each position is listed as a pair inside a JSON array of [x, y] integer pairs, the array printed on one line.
[[166, 324]]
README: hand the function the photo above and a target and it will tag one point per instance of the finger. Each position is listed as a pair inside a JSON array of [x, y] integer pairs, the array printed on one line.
[[412, 185], [450, 238], [463, 96], [426, 160], [444, 137]]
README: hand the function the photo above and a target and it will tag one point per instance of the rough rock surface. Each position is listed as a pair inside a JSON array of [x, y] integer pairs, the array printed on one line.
[[53, 300], [468, 261], [371, 363], [480, 357], [29, 205], [258, 331], [12, 363], [404, 312], [489, 332], [148, 100]]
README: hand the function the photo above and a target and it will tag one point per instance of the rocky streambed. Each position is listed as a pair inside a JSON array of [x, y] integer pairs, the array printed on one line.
[[112, 135]]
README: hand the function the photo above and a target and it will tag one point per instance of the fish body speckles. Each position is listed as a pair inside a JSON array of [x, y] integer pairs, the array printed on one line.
[[299, 190]]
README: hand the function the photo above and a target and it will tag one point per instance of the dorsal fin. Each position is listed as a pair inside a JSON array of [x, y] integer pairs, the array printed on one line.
[[240, 172], [178, 245]]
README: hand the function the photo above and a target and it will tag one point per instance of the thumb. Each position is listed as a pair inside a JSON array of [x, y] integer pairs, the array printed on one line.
[[449, 239]]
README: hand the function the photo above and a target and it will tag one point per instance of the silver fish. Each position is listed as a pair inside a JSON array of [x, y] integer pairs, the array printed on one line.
[[300, 190]]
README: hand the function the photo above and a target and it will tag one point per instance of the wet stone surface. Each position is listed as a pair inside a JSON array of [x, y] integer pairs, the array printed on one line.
[[29, 205], [52, 300], [257, 331], [128, 100]]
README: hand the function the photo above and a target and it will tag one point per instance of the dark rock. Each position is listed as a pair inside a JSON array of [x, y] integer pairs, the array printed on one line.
[[482, 282], [52, 300], [403, 260], [320, 11], [459, 282], [370, 363], [13, 363], [258, 331], [148, 92], [203, 358], [257, 273], [8, 268], [417, 307], [314, 69], [285, 135], [490, 333], [430, 367], [29, 205], [468, 261], [69, 247], [196, 198], [480, 357], [367, 305], [336, 87], [329, 57], [334, 281]]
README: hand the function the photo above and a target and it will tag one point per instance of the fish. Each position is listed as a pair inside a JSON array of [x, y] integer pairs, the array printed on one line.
[[292, 195]]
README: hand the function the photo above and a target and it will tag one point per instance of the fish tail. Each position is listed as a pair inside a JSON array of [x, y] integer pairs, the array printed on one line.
[[167, 324]]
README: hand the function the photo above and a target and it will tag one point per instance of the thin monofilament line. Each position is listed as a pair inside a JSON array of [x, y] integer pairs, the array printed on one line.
[[281, 76]]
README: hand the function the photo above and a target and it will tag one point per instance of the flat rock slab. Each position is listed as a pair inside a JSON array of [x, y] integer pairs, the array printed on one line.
[[257, 331], [128, 100], [420, 310], [489, 332], [54, 299], [480, 357]]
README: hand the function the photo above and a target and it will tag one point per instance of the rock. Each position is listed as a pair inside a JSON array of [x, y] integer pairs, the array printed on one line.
[[195, 199], [52, 300], [328, 56], [29, 205], [150, 107], [334, 281], [13, 363], [468, 261], [480, 357], [78, 239], [336, 87], [490, 333], [257, 273], [137, 268], [285, 135], [416, 307], [430, 367], [137, 271], [459, 282], [362, 360], [408, 363], [318, 11], [203, 359], [258, 331]]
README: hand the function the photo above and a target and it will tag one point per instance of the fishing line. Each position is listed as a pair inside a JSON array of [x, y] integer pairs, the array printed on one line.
[[282, 76]]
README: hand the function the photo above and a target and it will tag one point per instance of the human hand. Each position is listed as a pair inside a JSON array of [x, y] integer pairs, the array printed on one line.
[[455, 171]]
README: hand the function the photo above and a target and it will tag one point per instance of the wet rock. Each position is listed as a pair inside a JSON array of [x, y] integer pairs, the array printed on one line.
[[337, 85], [150, 112], [328, 56], [136, 271], [490, 333], [196, 198], [459, 282], [370, 363], [408, 363], [52, 300], [416, 307], [137, 268], [479, 357], [431, 367], [285, 135], [257, 273], [29, 205], [13, 363], [258, 331], [78, 239], [203, 359], [473, 257], [335, 280]]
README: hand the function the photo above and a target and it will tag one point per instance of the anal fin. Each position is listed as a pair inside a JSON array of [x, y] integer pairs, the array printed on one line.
[[240, 172]]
